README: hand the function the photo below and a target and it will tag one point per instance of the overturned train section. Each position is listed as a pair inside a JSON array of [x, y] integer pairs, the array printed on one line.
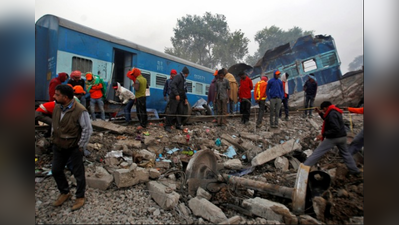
[[317, 55]]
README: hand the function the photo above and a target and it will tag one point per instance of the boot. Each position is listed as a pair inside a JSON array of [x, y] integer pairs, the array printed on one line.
[[61, 199], [79, 202]]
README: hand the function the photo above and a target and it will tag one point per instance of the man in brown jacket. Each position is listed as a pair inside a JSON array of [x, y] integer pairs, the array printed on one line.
[[71, 132]]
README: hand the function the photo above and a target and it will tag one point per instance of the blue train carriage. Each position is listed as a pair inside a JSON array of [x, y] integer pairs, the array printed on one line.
[[308, 54], [65, 46]]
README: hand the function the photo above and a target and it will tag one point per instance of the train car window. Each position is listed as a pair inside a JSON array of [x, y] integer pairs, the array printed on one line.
[[206, 89], [81, 64], [189, 87], [148, 77], [309, 65], [160, 81], [198, 88], [328, 59]]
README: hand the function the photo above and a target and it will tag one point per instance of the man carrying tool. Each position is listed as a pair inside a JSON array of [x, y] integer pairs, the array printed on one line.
[[358, 142], [127, 97], [332, 134], [244, 94]]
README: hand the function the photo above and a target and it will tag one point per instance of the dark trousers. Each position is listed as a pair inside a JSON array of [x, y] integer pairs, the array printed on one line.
[[128, 110], [309, 104], [175, 108], [60, 159], [222, 110], [231, 106], [285, 104], [141, 109], [245, 109]]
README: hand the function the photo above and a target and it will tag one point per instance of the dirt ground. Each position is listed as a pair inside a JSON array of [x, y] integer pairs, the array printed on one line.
[[344, 196]]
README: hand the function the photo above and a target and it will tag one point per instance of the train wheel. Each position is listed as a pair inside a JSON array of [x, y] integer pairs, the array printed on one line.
[[187, 111]]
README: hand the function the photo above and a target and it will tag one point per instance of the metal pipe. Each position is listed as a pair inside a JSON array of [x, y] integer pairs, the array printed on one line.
[[273, 189]]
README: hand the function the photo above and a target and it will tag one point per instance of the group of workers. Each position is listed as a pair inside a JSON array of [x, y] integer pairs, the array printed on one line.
[[71, 128]]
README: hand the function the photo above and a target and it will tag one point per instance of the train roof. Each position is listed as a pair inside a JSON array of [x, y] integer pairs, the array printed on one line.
[[45, 21]]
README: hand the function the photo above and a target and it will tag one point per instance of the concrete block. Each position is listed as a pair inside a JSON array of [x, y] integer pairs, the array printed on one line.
[[162, 195], [144, 154], [162, 164], [232, 220], [154, 173], [130, 177], [233, 164], [129, 143], [319, 207], [306, 219], [251, 136], [149, 140], [207, 210], [201, 193], [266, 135], [281, 163], [100, 179], [314, 124], [275, 152]]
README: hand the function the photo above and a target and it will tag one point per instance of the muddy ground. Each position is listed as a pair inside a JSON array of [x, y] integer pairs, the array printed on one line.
[[344, 196]]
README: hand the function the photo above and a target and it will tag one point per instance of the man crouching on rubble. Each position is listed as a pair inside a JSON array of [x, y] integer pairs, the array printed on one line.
[[71, 132], [332, 134]]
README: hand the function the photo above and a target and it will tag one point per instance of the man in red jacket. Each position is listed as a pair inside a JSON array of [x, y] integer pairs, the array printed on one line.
[[244, 93], [62, 77]]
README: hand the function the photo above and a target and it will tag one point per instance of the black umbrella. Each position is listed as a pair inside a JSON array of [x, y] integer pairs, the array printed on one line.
[[236, 68]]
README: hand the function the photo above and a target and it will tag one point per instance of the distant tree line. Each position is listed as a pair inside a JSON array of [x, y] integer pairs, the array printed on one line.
[[207, 41]]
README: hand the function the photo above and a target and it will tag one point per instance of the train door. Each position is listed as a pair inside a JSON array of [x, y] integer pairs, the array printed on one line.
[[123, 62]]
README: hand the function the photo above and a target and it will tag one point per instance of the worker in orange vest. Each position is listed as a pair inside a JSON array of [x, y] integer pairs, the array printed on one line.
[[260, 98]]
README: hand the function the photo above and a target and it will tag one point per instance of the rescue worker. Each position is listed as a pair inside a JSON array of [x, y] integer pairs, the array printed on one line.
[[96, 88], [275, 94], [178, 99], [61, 78], [76, 79], [260, 98], [244, 93], [140, 86], [127, 97]]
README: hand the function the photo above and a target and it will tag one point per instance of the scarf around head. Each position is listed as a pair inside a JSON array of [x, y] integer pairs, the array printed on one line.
[[133, 74], [331, 107]]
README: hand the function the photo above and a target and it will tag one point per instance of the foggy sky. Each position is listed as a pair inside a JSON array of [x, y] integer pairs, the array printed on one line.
[[151, 23]]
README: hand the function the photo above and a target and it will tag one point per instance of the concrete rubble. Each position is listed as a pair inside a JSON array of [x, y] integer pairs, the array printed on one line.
[[144, 177]]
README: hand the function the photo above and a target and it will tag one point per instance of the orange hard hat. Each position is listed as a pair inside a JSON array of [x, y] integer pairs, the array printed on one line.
[[79, 89]]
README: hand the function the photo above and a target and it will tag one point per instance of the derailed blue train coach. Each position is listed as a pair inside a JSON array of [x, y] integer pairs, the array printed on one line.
[[65, 46], [308, 54]]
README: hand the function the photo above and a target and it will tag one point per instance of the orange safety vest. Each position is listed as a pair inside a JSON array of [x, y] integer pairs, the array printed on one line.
[[260, 90], [46, 108]]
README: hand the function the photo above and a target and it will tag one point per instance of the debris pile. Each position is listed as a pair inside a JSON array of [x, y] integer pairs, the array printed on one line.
[[206, 174]]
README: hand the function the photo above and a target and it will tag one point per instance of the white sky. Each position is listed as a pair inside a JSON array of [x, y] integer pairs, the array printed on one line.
[[150, 23]]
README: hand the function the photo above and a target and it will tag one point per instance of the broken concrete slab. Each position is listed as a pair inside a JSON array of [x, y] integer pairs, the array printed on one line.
[[281, 163], [100, 179], [105, 125], [184, 209], [207, 210], [266, 135], [163, 195], [130, 177], [262, 207], [275, 152], [288, 217], [233, 164]]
